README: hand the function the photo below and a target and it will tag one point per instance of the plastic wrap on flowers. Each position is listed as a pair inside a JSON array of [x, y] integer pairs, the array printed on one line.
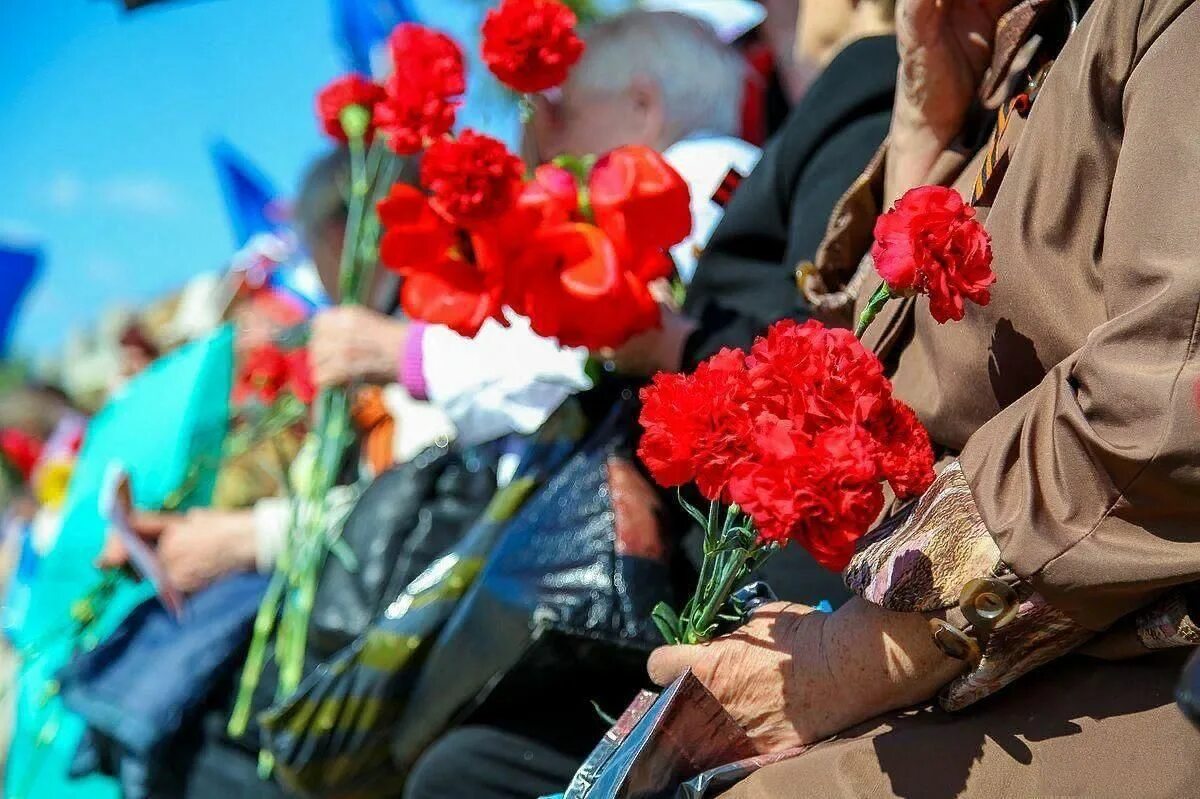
[[331, 735]]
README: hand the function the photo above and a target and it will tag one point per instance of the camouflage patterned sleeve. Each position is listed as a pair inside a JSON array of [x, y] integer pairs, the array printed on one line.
[[939, 558]]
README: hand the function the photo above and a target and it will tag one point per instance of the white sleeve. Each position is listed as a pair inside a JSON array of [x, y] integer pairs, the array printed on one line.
[[505, 380]]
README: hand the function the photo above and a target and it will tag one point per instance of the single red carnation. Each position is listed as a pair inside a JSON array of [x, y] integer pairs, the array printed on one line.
[[426, 57], [264, 375], [422, 96], [414, 235], [531, 45], [20, 450], [448, 277], [643, 205], [300, 379], [570, 283], [931, 243], [342, 93], [471, 179]]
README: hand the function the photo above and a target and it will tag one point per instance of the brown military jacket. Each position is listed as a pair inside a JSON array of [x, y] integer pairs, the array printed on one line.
[[1071, 399]]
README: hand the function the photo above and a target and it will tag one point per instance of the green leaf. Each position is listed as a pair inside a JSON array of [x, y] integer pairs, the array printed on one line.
[[667, 622]]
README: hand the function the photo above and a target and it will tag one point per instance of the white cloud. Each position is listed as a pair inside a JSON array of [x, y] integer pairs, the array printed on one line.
[[64, 190], [143, 194], [131, 193]]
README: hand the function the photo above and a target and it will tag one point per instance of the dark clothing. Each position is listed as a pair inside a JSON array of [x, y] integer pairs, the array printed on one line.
[[745, 280], [486, 763]]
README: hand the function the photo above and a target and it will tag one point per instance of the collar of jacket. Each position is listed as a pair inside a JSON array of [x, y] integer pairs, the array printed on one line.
[[1013, 32]]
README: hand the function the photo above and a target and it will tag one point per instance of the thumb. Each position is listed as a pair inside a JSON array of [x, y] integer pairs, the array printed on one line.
[[149, 525], [113, 555], [668, 662]]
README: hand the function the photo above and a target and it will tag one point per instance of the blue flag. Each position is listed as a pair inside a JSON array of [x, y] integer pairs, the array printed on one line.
[[18, 270], [360, 25], [252, 202]]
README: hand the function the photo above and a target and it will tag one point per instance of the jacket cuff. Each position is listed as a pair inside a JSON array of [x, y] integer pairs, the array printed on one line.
[[940, 559], [1168, 623], [412, 362]]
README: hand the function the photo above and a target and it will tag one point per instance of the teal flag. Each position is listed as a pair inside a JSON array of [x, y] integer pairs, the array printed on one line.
[[166, 427]]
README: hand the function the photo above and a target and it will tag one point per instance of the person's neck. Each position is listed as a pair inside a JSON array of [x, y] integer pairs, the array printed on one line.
[[867, 23]]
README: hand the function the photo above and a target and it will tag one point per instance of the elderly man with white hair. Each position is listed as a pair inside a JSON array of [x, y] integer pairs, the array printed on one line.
[[664, 80], [660, 79]]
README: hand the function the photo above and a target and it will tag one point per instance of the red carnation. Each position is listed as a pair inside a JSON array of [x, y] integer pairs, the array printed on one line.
[[20, 450], [471, 179], [448, 278], [530, 45], [413, 233], [422, 96], [424, 56], [571, 284], [931, 243], [300, 379], [697, 426], [264, 375], [342, 93], [268, 372], [643, 204], [907, 454]]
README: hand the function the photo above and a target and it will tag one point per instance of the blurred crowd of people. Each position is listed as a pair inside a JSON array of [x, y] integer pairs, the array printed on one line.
[[1063, 416]]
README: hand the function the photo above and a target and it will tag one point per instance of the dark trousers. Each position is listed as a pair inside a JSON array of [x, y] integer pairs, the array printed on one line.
[[488, 763]]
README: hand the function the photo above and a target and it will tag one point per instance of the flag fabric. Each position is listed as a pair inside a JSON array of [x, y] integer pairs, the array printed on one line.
[[361, 25], [253, 204], [18, 270], [167, 427]]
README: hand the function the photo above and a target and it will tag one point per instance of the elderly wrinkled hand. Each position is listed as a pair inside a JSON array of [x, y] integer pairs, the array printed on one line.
[[792, 676], [195, 548], [352, 343]]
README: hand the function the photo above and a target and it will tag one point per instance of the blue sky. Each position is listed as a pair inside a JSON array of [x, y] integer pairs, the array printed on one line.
[[106, 118]]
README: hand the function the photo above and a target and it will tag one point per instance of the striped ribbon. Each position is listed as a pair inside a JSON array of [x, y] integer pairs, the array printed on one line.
[[1018, 105]]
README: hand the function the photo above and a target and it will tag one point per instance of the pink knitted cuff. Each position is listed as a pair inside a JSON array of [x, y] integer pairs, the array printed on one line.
[[412, 362]]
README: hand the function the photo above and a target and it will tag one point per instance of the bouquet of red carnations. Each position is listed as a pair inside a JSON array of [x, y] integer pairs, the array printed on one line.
[[793, 442], [790, 443]]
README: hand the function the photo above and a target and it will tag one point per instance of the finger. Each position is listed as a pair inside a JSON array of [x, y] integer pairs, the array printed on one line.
[[668, 662], [150, 525], [113, 555]]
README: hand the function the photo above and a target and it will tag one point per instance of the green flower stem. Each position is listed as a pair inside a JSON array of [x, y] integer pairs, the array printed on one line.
[[731, 552], [264, 625], [874, 305]]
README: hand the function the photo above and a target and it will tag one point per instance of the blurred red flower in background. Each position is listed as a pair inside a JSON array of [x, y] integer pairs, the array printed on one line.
[[268, 372], [423, 94], [20, 450], [341, 93], [531, 45], [472, 178]]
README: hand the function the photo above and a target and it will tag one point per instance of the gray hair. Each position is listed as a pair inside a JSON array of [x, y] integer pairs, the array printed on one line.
[[701, 78]]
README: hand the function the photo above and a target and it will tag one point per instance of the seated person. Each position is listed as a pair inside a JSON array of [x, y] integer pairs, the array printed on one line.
[[829, 137], [1067, 406], [659, 79]]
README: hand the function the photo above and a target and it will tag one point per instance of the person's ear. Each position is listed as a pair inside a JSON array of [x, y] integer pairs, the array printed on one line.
[[650, 113]]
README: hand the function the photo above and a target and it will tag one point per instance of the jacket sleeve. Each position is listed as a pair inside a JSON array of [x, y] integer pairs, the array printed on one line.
[[1089, 483], [746, 279]]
